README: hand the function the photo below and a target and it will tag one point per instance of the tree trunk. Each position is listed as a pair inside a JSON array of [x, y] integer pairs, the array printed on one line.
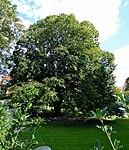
[[57, 108]]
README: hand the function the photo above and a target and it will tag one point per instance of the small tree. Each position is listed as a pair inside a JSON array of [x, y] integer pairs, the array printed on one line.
[[100, 115]]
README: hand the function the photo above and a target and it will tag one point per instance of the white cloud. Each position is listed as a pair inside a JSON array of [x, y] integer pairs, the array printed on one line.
[[103, 14], [122, 61], [25, 22]]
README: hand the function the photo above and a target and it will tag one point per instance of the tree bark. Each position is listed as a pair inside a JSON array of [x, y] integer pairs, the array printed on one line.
[[57, 108]]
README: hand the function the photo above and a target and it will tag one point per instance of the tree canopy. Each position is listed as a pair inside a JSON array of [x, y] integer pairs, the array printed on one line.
[[64, 55], [10, 29]]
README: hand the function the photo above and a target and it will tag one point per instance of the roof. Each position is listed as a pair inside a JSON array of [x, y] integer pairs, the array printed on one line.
[[120, 88], [5, 78]]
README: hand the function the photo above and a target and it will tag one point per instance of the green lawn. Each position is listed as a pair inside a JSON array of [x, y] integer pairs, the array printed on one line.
[[80, 136]]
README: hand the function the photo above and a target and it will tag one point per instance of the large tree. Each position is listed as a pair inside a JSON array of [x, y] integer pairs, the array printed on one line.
[[10, 29], [59, 48]]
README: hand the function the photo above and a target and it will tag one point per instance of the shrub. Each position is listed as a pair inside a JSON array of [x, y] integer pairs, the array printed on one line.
[[12, 123]]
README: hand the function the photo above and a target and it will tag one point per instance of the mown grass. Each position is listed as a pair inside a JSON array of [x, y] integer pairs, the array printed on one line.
[[80, 136]]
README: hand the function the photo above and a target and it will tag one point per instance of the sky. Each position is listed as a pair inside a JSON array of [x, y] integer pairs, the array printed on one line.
[[110, 18]]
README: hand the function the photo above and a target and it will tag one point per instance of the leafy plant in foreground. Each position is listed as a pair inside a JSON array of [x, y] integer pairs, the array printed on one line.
[[122, 105], [98, 146], [12, 123], [100, 115]]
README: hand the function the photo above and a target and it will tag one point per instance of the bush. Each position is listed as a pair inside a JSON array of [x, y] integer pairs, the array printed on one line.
[[12, 123]]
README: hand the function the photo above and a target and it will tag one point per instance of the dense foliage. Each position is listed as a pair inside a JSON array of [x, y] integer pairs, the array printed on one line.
[[60, 49], [38, 95], [12, 124], [97, 90]]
